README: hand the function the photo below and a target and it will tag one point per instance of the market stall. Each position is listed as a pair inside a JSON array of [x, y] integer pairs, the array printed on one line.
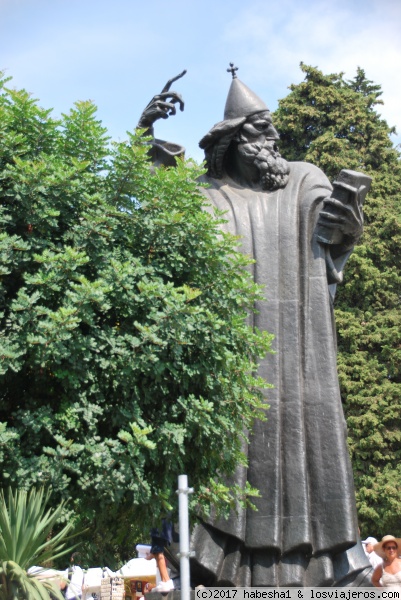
[[99, 583]]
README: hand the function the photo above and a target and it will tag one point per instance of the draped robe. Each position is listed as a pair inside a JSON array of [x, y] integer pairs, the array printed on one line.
[[305, 529]]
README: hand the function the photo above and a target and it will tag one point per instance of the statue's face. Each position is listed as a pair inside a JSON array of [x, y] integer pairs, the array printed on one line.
[[258, 127], [256, 156]]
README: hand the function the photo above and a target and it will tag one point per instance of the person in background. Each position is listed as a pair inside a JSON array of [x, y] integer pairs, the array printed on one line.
[[388, 574], [159, 541], [74, 576], [374, 559]]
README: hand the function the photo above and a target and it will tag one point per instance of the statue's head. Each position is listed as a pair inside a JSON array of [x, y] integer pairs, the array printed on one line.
[[243, 146]]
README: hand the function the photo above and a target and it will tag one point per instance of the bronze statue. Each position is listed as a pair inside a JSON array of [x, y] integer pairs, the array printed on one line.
[[300, 234]]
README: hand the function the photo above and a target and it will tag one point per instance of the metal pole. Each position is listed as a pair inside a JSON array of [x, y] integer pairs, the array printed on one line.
[[183, 491]]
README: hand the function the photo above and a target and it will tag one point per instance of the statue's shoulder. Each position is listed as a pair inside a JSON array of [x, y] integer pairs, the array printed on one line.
[[211, 186], [305, 168], [311, 174]]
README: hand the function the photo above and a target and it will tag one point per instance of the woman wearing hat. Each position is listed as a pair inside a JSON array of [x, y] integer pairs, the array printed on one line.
[[389, 573]]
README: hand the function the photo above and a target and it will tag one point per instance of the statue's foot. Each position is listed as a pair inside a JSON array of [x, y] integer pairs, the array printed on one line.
[[222, 560]]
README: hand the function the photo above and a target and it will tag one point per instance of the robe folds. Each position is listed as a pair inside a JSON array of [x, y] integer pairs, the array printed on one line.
[[305, 530]]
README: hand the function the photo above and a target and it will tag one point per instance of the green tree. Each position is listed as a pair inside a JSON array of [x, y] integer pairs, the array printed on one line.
[[27, 538], [125, 354], [334, 124]]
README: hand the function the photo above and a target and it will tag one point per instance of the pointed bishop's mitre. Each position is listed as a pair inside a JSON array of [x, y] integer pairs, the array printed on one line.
[[241, 101]]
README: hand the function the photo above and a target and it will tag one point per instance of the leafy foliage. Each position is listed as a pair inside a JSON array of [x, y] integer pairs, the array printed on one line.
[[334, 123], [27, 538], [125, 354]]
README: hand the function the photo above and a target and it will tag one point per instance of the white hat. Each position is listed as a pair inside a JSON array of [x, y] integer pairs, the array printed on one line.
[[369, 540]]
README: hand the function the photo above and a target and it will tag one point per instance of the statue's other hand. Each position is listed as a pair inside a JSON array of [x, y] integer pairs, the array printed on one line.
[[347, 218], [161, 106]]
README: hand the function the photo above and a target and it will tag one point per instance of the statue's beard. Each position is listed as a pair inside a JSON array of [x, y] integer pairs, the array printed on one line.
[[274, 170]]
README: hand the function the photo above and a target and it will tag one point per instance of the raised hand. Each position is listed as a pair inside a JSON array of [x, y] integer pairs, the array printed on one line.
[[162, 105]]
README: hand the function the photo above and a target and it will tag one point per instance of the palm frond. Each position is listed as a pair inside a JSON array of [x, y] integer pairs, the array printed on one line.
[[26, 528], [17, 583], [26, 539]]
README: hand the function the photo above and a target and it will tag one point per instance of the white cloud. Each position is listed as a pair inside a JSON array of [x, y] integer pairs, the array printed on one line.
[[272, 39]]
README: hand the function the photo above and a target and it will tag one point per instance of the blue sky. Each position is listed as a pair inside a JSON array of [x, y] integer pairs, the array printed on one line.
[[119, 53]]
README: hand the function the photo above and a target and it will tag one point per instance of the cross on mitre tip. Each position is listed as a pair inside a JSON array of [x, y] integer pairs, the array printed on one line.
[[232, 70]]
